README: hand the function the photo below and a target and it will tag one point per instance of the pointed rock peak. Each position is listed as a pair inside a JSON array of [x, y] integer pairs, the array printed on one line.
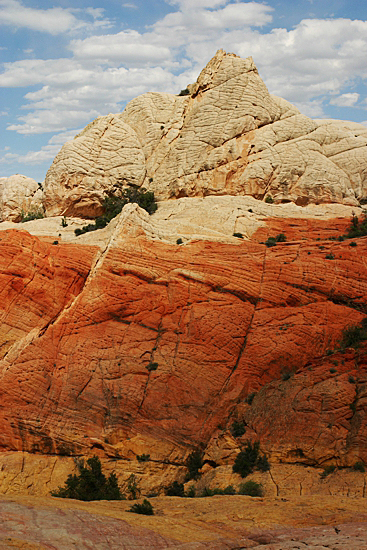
[[222, 67]]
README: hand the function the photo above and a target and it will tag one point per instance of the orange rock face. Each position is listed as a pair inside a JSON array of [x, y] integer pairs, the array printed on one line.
[[168, 341]]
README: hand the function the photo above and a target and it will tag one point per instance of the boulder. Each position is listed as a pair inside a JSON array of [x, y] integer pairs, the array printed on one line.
[[20, 197]]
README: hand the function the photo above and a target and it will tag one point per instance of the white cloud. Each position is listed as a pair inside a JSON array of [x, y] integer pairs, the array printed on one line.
[[4, 113], [54, 20], [128, 47], [345, 100], [309, 65], [131, 6]]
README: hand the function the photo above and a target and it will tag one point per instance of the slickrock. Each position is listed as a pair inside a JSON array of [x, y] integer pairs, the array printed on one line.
[[228, 136], [19, 196], [218, 523], [139, 345]]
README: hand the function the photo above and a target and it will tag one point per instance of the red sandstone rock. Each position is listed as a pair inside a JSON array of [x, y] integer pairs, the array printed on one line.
[[80, 331]]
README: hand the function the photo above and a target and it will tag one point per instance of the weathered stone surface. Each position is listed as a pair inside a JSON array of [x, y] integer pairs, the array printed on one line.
[[81, 324], [218, 523], [229, 136], [19, 195]]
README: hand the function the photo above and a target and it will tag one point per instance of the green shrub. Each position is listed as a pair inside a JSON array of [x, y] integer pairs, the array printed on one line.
[[64, 223], [330, 256], [286, 376], [352, 243], [249, 399], [185, 91], [35, 214], [191, 493], [113, 205], [272, 241], [359, 466], [332, 370], [179, 241], [207, 492], [250, 459], [238, 429], [238, 235], [133, 487], [175, 490], [90, 484], [193, 463], [144, 508], [251, 488], [353, 336], [327, 471], [152, 366], [269, 199], [351, 380], [358, 226], [143, 458]]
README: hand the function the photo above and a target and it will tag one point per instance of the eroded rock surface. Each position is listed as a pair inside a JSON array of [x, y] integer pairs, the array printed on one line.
[[141, 339], [19, 197], [229, 136]]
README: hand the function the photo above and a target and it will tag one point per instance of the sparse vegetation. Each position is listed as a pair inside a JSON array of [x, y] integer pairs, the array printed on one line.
[[250, 459], [354, 335], [144, 508], [332, 370], [272, 241], [269, 199], [330, 256], [64, 222], [113, 205], [152, 366], [35, 214], [143, 458], [175, 489], [249, 399], [358, 226], [179, 241], [286, 375], [185, 91], [238, 428], [133, 487], [194, 463], [238, 235], [207, 492], [327, 471], [359, 466], [251, 488], [90, 484]]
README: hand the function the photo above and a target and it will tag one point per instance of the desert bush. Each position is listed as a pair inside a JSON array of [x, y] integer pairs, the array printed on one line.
[[238, 235], [35, 214], [175, 489], [269, 199], [251, 488], [179, 241], [358, 226], [113, 205], [250, 459], [249, 399], [237, 429], [90, 484], [152, 366], [272, 241], [185, 91], [133, 487], [144, 508], [359, 466], [207, 492], [327, 471], [353, 336], [193, 463], [143, 458]]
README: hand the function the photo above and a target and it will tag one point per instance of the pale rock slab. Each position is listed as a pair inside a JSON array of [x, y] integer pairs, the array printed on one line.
[[19, 195]]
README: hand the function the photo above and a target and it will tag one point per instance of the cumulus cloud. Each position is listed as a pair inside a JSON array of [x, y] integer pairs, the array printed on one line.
[[345, 100], [130, 6], [54, 20], [127, 47], [310, 64]]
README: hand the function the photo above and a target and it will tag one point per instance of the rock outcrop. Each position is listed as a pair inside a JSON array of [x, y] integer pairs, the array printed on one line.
[[229, 136], [19, 196]]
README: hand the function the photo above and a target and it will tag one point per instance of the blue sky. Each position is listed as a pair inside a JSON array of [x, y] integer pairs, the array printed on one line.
[[65, 63]]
